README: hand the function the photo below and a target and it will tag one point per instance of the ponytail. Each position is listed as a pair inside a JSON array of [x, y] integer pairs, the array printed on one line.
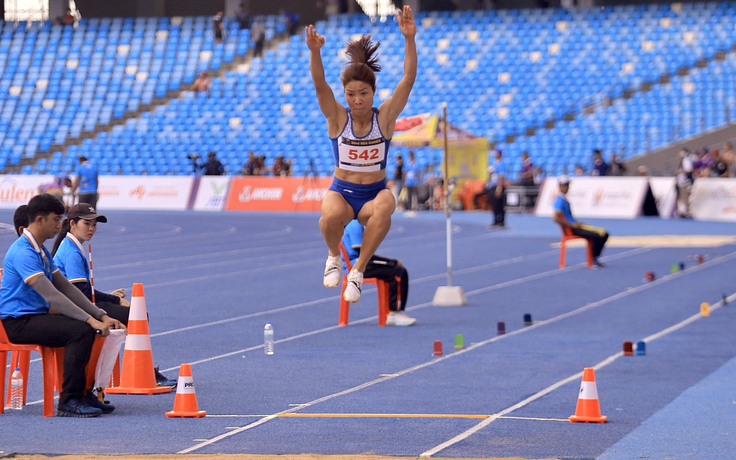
[[65, 227]]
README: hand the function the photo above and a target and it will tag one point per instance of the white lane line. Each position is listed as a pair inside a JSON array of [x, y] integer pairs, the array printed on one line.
[[466, 434], [418, 367]]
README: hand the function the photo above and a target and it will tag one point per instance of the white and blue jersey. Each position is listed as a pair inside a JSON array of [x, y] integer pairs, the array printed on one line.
[[362, 154], [70, 259], [24, 260]]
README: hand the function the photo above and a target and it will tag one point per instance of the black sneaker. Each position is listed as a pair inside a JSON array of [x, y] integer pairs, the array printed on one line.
[[77, 408], [93, 401], [597, 263], [162, 380]]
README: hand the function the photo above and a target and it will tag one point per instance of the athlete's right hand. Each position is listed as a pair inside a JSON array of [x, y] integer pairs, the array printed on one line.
[[314, 40]]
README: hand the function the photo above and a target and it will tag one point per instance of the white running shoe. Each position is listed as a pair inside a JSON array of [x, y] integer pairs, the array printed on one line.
[[400, 319], [354, 287], [333, 271]]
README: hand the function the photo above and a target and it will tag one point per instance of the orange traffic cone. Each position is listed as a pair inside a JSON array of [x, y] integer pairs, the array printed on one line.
[[185, 403], [138, 377], [589, 408]]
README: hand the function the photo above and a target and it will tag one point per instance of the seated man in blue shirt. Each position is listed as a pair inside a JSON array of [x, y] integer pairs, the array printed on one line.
[[32, 285], [389, 270], [563, 216]]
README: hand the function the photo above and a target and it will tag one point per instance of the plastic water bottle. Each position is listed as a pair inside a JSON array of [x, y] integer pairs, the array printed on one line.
[[16, 390], [268, 339]]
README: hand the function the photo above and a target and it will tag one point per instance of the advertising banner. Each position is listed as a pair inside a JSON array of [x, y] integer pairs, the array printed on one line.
[[164, 193], [714, 199], [277, 194], [597, 197], [665, 195], [211, 193], [16, 190]]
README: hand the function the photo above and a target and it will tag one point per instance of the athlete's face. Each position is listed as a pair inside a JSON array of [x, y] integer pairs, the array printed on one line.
[[359, 96], [84, 229]]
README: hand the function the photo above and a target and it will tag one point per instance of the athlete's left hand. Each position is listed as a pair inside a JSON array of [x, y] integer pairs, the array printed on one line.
[[407, 26]]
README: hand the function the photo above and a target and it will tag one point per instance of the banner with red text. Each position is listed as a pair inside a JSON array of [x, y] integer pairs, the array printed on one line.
[[165, 193], [278, 194], [16, 190]]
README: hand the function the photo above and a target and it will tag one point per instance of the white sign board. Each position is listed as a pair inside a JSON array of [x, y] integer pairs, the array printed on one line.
[[596, 197], [714, 199], [211, 193], [665, 194], [16, 190], [169, 193]]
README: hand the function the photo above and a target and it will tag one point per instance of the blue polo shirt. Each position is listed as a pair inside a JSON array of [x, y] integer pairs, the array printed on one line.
[[71, 260], [352, 239], [563, 206], [87, 174], [412, 173], [25, 259]]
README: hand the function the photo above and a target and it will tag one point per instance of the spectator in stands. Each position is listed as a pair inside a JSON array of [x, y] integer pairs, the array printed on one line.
[[526, 176], [213, 166], [729, 157], [202, 84], [361, 136], [218, 27], [70, 256], [250, 166], [69, 19], [579, 171], [538, 176], [390, 270], [291, 20], [261, 169], [600, 167], [398, 184], [684, 179], [719, 167], [243, 16], [32, 285], [618, 168], [412, 179], [281, 167], [258, 36], [563, 216], [86, 182]]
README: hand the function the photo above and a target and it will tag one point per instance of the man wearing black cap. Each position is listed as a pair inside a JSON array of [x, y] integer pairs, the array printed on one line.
[[563, 216]]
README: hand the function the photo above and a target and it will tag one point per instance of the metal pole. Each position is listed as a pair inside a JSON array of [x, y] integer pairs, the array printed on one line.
[[448, 196]]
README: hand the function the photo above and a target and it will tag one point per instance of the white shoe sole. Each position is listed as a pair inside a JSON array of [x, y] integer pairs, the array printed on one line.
[[352, 294], [332, 280]]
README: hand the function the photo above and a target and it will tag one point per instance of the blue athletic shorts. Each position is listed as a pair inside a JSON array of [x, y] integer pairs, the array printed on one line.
[[357, 195]]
